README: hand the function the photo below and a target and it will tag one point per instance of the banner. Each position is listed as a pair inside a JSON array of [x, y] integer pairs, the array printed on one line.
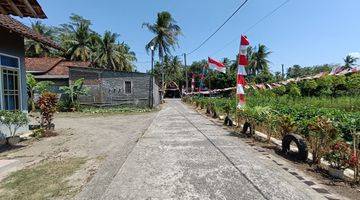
[[241, 72]]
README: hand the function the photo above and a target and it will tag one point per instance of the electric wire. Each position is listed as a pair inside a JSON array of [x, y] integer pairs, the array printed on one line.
[[217, 30], [252, 26]]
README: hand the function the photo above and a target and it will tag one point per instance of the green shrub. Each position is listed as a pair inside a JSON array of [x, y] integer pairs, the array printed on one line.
[[47, 104], [13, 120]]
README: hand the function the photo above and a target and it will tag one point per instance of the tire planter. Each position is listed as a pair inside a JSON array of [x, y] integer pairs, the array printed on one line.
[[12, 141], [336, 173], [214, 114], [248, 129], [303, 151], [228, 121], [3, 140]]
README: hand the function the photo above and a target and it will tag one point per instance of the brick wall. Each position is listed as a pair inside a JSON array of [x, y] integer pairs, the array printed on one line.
[[108, 87]]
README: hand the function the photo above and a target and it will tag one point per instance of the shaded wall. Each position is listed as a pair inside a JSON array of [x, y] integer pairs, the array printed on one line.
[[13, 44], [107, 88]]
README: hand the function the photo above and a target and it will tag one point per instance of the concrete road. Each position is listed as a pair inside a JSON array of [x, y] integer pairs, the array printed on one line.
[[183, 155]]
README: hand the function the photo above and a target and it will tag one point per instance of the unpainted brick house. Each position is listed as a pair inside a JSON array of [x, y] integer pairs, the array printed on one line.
[[55, 70], [109, 88]]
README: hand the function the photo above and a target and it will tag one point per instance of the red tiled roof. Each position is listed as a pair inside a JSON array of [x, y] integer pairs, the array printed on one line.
[[52, 66], [22, 8], [13, 25], [41, 64]]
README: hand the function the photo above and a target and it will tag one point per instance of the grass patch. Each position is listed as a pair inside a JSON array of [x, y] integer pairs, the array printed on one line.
[[45, 180], [114, 109]]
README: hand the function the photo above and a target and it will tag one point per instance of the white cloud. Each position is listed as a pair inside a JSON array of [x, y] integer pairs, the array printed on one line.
[[355, 54]]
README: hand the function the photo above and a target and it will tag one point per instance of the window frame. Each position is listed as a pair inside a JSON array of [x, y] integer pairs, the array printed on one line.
[[131, 87], [19, 81]]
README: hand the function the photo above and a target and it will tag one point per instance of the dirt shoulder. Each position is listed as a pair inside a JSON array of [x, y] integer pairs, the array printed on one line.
[[312, 176], [90, 138]]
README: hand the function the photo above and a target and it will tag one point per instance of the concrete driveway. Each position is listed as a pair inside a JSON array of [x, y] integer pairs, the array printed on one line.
[[183, 155]]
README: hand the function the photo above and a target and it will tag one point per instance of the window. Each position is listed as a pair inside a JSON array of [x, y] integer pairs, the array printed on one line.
[[127, 87], [11, 91], [9, 61], [9, 83]]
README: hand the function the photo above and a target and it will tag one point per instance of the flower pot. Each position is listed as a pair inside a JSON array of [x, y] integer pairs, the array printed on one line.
[[13, 140], [2, 140], [336, 173]]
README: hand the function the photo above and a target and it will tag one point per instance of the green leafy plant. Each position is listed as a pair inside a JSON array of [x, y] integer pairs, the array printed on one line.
[[322, 133], [73, 92], [33, 86], [13, 120], [339, 155], [39, 133], [47, 104]]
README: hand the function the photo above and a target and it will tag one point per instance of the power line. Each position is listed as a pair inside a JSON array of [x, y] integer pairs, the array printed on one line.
[[207, 39], [253, 26]]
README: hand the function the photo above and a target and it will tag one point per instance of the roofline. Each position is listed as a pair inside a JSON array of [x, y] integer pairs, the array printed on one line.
[[23, 8], [107, 70], [27, 32]]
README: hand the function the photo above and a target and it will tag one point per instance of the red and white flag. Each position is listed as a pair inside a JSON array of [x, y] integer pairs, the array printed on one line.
[[216, 65], [193, 83], [242, 63]]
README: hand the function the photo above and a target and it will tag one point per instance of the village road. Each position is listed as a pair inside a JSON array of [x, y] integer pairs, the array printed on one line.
[[183, 155]]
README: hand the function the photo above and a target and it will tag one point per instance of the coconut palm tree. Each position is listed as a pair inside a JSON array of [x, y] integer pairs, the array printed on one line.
[[108, 54], [127, 57], [258, 59], [77, 38], [166, 36], [37, 49], [350, 61]]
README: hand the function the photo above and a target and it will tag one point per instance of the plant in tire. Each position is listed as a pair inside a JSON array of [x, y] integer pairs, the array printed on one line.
[[13, 120], [47, 104], [339, 155], [322, 133]]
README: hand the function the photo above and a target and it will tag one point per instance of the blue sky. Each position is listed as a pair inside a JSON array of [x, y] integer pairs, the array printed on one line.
[[305, 32]]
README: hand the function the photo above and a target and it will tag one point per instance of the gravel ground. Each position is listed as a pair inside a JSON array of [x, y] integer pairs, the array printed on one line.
[[95, 138]]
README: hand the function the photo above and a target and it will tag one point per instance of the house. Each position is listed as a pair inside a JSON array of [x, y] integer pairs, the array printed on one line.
[[109, 88], [13, 93], [52, 69]]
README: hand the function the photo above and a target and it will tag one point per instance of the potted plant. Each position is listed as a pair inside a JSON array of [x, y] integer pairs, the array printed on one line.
[[13, 120], [227, 110], [338, 157], [321, 134]]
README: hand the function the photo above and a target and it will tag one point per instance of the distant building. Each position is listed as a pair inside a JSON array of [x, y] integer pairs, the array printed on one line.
[[52, 69], [108, 88]]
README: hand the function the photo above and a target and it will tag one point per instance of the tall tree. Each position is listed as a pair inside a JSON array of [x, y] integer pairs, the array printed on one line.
[[258, 59], [108, 55], [350, 61], [37, 49], [77, 38], [166, 33], [127, 57]]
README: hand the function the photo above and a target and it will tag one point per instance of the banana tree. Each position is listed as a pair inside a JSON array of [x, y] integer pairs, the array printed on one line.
[[73, 91]]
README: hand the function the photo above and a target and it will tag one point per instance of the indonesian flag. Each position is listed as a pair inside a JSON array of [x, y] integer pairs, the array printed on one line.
[[193, 83], [216, 65], [242, 63]]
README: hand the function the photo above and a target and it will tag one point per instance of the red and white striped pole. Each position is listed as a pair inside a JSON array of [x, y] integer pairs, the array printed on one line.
[[193, 83], [242, 63]]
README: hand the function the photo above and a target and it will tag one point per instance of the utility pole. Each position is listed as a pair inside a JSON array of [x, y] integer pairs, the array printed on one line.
[[282, 71], [151, 87], [186, 75]]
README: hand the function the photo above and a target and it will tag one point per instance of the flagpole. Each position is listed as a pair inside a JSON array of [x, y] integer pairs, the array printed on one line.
[[236, 96]]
